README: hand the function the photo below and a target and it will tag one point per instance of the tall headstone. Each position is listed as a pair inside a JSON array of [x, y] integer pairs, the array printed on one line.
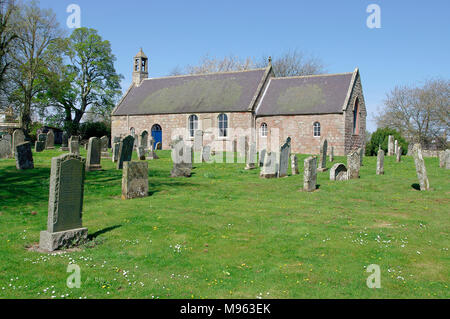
[[141, 153], [65, 142], [115, 152], [17, 138], [310, 174], [143, 141], [135, 179], [380, 162], [270, 167], [241, 148], [74, 145], [182, 158], [50, 143], [390, 145], [262, 155], [332, 154], [39, 146], [395, 147], [285, 154], [361, 156], [338, 172], [323, 156], [251, 157], [198, 146], [65, 209], [151, 143], [206, 154], [353, 165], [125, 151], [42, 138], [294, 164], [444, 159], [24, 156], [5, 149], [399, 154], [420, 168], [93, 158], [104, 142]]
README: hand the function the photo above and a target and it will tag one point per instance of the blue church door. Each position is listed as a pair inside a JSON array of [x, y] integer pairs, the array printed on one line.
[[157, 135]]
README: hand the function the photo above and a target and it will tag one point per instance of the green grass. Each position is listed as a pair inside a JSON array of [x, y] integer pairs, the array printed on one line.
[[226, 233]]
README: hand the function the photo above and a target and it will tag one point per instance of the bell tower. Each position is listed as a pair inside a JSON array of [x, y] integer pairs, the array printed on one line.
[[140, 68]]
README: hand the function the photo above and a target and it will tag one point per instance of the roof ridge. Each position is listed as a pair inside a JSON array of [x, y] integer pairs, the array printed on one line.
[[310, 76], [202, 74]]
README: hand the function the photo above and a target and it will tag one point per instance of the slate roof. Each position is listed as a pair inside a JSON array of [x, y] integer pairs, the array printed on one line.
[[316, 94], [207, 93]]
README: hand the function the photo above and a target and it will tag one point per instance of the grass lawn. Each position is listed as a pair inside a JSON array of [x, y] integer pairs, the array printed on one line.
[[226, 233]]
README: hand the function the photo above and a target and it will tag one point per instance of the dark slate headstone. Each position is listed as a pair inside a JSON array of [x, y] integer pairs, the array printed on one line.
[[93, 157], [39, 146], [135, 179], [24, 156], [65, 142], [285, 153], [42, 137], [64, 225], [115, 152], [125, 151]]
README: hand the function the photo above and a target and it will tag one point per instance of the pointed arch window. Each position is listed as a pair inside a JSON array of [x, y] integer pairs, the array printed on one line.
[[356, 118]]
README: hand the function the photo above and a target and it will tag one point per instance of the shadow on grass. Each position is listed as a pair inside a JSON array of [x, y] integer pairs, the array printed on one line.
[[416, 186], [103, 231]]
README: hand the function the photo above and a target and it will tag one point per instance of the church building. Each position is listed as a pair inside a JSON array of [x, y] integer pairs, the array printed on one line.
[[226, 105]]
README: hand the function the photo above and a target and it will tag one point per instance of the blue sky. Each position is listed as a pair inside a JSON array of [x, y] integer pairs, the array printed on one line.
[[411, 46]]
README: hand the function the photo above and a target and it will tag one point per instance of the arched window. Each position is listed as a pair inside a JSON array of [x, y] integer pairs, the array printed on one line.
[[132, 131], [193, 125], [317, 129], [223, 125], [356, 117], [264, 130]]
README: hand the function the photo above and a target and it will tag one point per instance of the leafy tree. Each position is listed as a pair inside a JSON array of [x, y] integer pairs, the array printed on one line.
[[8, 36], [89, 81], [381, 138]]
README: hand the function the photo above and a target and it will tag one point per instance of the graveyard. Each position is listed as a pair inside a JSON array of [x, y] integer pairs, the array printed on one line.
[[225, 232]]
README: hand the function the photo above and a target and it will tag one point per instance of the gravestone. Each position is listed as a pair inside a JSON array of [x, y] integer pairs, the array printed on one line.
[[353, 165], [182, 158], [65, 209], [125, 151], [444, 159], [158, 146], [116, 139], [151, 142], [152, 155], [395, 147], [144, 140], [198, 146], [285, 155], [206, 154], [65, 142], [241, 149], [361, 156], [332, 154], [390, 145], [104, 142], [5, 149], [135, 179], [399, 154], [294, 164], [323, 156], [7, 137], [310, 174], [50, 142], [380, 162], [93, 157], [17, 138], [262, 155], [74, 145], [24, 156], [420, 168], [42, 137], [251, 157], [270, 167], [338, 172], [115, 152], [141, 153], [39, 146]]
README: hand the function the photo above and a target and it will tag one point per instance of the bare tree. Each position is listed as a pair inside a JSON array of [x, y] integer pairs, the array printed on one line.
[[420, 113]]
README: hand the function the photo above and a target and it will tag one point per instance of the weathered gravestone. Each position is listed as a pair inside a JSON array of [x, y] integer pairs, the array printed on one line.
[[144, 140], [353, 165], [395, 147], [24, 156], [50, 142], [262, 155], [7, 137], [390, 145], [5, 149], [444, 159], [332, 154], [42, 138], [241, 149], [125, 151], [251, 157], [380, 162], [17, 138], [141, 153], [115, 152], [151, 143], [104, 142], [420, 168], [135, 179], [310, 174], [294, 164], [182, 158], [323, 156], [338, 172], [65, 142], [206, 154], [198, 146], [64, 224], [270, 167], [361, 156], [399, 154], [285, 154], [93, 158], [74, 145], [116, 139], [39, 146]]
